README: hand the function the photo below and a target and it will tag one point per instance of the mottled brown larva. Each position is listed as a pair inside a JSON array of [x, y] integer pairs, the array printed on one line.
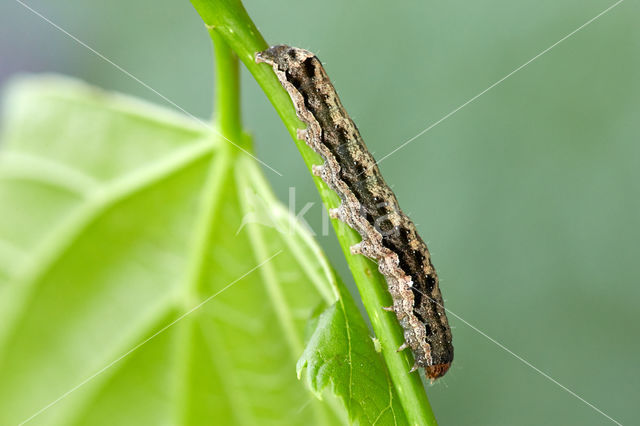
[[369, 206]]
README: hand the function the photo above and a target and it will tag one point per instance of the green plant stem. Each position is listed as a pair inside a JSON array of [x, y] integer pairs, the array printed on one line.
[[229, 19], [228, 125], [226, 104]]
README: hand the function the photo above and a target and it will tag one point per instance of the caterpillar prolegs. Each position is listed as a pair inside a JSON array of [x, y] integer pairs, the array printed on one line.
[[369, 206]]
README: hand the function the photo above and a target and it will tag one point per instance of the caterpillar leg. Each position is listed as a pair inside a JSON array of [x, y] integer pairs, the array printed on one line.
[[337, 213], [301, 134], [317, 169], [402, 347], [358, 248]]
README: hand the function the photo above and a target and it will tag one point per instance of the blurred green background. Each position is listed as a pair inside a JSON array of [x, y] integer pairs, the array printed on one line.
[[528, 197]]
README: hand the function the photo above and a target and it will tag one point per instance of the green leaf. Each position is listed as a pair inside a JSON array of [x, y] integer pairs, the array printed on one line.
[[149, 276], [336, 355]]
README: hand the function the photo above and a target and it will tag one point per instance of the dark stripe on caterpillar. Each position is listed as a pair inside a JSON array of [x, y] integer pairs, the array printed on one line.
[[369, 206]]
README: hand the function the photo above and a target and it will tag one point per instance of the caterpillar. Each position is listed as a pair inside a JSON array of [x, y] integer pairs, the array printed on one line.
[[369, 206]]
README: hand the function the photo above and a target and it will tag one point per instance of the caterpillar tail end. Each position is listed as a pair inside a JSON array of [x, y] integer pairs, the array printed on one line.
[[434, 372]]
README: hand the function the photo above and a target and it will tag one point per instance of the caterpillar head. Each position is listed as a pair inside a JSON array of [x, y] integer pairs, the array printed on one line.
[[283, 58]]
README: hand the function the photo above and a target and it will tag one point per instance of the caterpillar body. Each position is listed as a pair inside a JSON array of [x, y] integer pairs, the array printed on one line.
[[369, 206]]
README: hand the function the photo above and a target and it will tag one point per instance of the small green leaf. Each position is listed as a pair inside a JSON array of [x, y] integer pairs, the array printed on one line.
[[339, 354]]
